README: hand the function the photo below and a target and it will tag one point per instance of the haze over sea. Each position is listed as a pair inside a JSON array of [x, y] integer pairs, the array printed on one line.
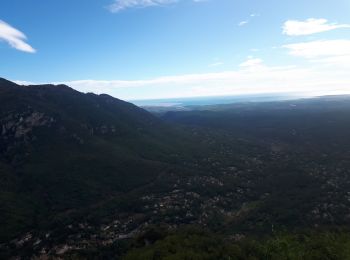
[[217, 100]]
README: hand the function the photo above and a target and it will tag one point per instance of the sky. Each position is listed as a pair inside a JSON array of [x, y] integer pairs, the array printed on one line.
[[152, 49]]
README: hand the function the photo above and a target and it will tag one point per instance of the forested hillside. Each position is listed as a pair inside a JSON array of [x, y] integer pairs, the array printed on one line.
[[90, 176]]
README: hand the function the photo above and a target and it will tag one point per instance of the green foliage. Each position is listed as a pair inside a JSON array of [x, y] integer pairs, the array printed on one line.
[[197, 244], [89, 149], [69, 159]]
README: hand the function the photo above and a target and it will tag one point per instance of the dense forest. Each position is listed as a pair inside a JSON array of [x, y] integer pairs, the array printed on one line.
[[87, 176]]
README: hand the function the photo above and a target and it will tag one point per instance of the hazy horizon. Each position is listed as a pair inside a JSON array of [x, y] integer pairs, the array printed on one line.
[[178, 48]]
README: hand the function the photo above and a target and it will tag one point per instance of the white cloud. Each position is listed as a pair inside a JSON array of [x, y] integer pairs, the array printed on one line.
[[251, 16], [216, 64], [253, 76], [120, 5], [334, 54], [251, 62], [261, 80], [14, 38], [310, 26], [243, 23], [322, 48]]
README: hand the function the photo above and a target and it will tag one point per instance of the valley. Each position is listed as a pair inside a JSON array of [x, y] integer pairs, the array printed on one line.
[[89, 175]]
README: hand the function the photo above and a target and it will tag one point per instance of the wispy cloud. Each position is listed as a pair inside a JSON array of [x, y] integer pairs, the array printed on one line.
[[322, 48], [244, 22], [216, 64], [14, 38], [251, 62], [310, 26], [120, 5], [329, 53]]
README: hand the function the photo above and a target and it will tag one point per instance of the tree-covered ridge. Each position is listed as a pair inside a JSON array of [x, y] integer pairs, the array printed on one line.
[[62, 150], [86, 175]]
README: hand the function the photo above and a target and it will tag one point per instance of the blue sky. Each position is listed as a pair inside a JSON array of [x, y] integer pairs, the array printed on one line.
[[144, 49]]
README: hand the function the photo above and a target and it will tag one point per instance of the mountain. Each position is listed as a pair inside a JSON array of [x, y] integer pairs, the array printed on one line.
[[85, 176], [61, 151]]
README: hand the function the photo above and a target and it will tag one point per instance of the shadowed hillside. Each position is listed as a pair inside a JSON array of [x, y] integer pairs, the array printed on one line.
[[90, 176], [61, 150]]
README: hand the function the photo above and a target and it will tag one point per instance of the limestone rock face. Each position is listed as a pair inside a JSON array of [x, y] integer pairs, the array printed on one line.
[[17, 130]]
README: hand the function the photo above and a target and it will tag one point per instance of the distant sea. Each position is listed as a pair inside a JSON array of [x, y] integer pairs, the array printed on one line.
[[216, 100]]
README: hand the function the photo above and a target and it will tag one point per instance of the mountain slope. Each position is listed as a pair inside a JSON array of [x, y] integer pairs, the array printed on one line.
[[90, 175], [62, 150]]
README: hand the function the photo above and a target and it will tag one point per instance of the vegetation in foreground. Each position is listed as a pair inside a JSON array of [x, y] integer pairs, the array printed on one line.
[[194, 243]]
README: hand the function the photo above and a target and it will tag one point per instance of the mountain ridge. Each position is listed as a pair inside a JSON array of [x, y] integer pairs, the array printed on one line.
[[85, 174], [53, 134]]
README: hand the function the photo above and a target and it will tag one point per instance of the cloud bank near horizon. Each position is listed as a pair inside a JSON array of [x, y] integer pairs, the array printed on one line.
[[252, 77]]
